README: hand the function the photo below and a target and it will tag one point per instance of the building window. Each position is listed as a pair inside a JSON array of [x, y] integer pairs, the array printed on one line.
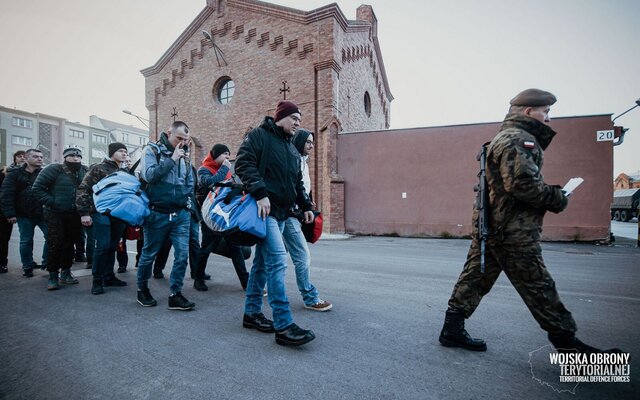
[[76, 134], [25, 141], [125, 137], [142, 140], [97, 153], [21, 122], [99, 138], [224, 89], [367, 104]]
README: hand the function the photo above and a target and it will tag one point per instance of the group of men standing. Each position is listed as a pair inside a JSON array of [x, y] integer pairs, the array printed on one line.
[[271, 163]]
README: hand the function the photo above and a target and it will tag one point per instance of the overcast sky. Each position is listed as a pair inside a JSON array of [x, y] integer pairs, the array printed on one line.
[[448, 62]]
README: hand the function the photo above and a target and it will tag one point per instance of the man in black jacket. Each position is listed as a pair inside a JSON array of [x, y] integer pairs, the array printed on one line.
[[269, 165], [20, 206], [56, 188]]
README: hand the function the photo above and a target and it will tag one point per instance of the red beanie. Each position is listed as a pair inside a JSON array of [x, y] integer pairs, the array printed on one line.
[[284, 109]]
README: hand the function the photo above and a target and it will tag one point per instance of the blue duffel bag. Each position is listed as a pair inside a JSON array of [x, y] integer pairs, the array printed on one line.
[[120, 196], [230, 212]]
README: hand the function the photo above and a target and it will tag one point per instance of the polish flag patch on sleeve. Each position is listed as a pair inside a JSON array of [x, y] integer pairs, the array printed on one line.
[[529, 144]]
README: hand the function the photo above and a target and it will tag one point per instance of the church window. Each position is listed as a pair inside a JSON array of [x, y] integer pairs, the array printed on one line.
[[224, 90], [367, 104]]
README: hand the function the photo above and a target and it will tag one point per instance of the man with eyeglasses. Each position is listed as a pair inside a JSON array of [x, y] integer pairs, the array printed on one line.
[[166, 169], [269, 165]]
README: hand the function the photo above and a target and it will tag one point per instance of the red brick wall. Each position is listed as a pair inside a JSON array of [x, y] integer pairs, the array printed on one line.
[[436, 168]]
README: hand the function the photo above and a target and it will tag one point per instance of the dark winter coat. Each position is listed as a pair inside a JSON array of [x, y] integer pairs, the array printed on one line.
[[17, 194], [56, 187], [282, 180]]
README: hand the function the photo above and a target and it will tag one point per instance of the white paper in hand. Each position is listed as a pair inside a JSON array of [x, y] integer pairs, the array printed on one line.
[[571, 185]]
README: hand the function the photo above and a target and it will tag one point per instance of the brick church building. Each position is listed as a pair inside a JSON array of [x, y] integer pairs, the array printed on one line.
[[238, 58]]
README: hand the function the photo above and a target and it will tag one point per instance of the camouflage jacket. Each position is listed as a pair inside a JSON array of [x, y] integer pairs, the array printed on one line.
[[518, 195], [84, 195]]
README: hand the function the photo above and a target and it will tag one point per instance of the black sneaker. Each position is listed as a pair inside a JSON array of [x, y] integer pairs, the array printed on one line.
[[96, 288], [178, 302], [80, 258], [113, 281], [122, 269], [3, 269], [199, 285], [258, 321], [145, 299], [294, 336], [158, 275], [28, 273]]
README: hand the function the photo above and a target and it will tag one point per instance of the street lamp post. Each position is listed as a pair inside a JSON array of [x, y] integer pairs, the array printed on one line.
[[624, 130], [139, 118]]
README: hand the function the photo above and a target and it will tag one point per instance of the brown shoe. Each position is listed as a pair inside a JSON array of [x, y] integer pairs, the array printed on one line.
[[320, 305]]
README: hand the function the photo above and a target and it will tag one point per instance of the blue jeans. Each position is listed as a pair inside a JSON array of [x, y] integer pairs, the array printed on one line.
[[107, 232], [27, 228], [299, 251], [269, 266], [157, 228]]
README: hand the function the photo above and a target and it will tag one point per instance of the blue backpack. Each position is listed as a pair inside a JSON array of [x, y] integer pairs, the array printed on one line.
[[120, 196], [232, 213]]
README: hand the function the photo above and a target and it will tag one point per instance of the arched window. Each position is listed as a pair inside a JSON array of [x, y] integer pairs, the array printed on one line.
[[367, 104], [224, 89]]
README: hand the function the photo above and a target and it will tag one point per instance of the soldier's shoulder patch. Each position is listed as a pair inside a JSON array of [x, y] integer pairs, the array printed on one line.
[[528, 144]]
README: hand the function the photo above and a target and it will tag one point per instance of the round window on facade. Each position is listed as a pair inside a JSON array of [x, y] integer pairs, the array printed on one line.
[[367, 104], [224, 89]]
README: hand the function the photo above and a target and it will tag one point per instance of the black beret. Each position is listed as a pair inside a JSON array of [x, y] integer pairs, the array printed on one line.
[[533, 98]]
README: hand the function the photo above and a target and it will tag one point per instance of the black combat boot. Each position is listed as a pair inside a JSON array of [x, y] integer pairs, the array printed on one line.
[[569, 343], [453, 333]]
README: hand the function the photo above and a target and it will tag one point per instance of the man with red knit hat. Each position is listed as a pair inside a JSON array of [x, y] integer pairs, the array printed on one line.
[[215, 168], [269, 166]]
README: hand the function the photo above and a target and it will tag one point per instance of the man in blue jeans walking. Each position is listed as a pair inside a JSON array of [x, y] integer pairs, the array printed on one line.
[[294, 238], [166, 168], [269, 165]]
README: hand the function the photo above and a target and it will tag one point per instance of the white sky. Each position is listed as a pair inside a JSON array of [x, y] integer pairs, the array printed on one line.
[[448, 62]]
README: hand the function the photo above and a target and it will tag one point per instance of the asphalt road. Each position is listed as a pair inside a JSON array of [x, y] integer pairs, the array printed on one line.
[[379, 342]]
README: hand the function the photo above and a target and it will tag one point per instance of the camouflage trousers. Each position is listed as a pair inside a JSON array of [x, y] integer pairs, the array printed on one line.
[[524, 267]]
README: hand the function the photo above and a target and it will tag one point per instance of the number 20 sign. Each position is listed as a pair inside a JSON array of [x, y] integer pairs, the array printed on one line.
[[603, 136]]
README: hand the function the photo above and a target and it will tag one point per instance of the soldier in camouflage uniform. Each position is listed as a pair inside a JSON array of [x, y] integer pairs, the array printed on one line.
[[518, 200]]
